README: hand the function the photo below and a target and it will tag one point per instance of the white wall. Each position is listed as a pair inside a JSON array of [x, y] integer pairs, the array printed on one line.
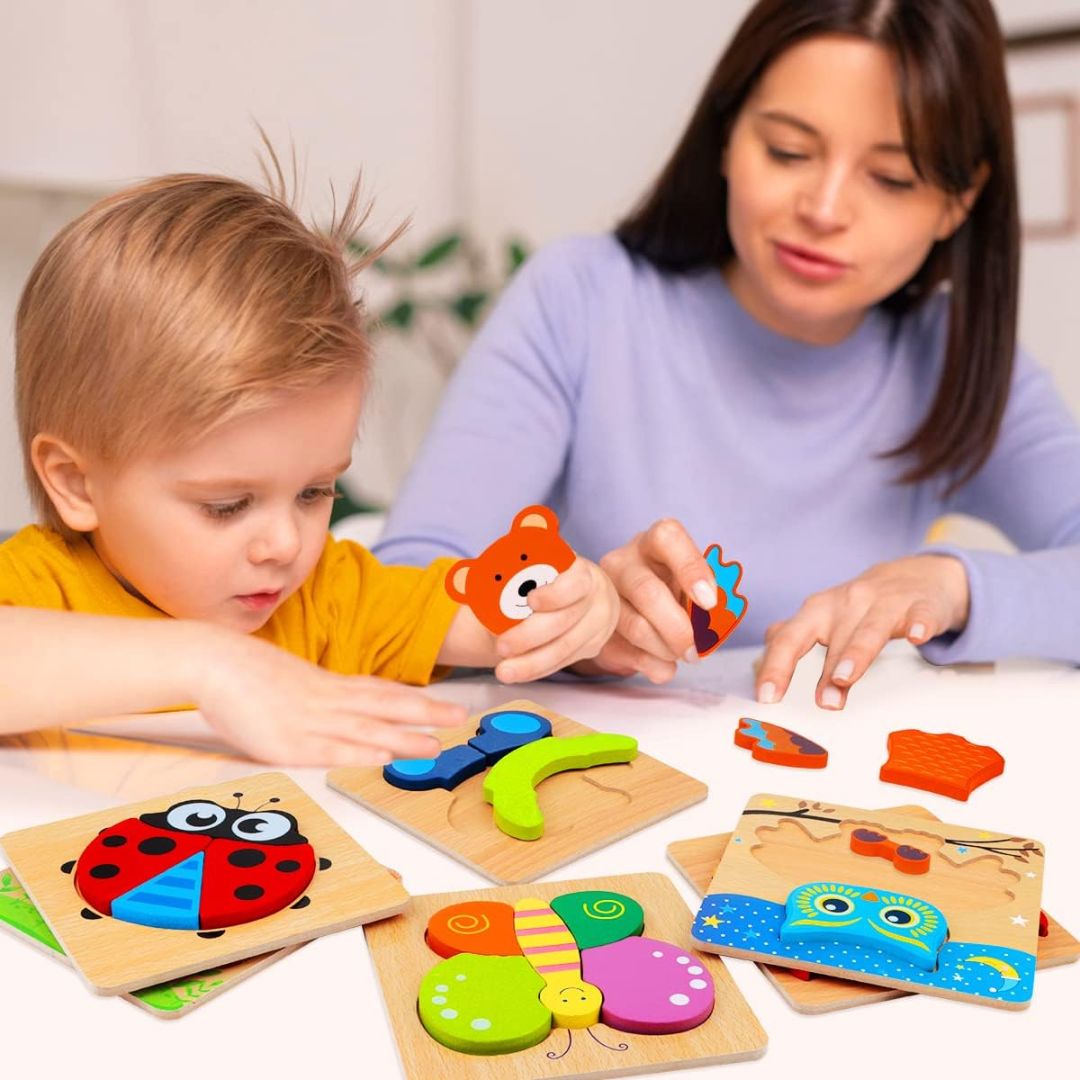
[[511, 115]]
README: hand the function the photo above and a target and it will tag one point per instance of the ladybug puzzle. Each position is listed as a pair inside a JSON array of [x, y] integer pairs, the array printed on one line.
[[497, 583], [194, 881], [196, 866], [583, 978]]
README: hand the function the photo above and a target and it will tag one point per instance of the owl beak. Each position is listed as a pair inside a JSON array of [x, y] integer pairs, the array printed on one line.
[[870, 896]]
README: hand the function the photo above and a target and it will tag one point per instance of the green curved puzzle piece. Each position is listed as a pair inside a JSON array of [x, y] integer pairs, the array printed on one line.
[[510, 785]]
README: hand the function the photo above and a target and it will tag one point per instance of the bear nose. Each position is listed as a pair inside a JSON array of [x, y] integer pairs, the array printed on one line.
[[526, 587]]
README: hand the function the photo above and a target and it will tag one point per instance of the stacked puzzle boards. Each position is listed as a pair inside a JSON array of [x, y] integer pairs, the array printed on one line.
[[203, 887], [878, 897]]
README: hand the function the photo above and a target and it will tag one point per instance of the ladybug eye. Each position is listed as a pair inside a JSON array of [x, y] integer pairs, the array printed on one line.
[[195, 816], [262, 827]]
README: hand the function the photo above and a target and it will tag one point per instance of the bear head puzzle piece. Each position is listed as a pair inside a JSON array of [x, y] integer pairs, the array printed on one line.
[[496, 584]]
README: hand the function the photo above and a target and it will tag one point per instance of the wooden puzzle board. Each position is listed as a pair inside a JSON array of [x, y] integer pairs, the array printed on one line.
[[401, 958], [115, 957], [168, 1000], [986, 885], [697, 860], [583, 809]]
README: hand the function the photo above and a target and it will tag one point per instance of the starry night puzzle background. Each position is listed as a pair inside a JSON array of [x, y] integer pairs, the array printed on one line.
[[969, 926]]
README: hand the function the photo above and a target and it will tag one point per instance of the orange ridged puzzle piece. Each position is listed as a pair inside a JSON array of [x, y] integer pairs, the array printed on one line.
[[945, 764]]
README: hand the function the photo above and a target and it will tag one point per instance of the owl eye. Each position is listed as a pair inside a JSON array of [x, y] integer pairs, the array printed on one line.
[[195, 816], [261, 827], [834, 905], [900, 916]]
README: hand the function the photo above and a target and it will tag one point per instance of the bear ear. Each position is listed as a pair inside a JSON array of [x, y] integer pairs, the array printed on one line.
[[455, 579], [536, 517]]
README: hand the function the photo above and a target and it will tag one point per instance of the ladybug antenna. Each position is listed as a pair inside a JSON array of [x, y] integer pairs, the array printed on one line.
[[237, 795], [621, 1046], [569, 1042], [267, 803]]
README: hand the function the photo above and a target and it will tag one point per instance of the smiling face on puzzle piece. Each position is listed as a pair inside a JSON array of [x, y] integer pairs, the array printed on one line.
[[497, 583]]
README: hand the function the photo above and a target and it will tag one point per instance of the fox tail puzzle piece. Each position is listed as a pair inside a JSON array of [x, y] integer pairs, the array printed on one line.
[[712, 628], [512, 973], [196, 866], [496, 584]]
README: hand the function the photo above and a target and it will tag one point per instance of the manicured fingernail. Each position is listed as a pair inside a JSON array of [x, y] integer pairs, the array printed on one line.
[[844, 670], [705, 595], [691, 655], [830, 697], [767, 693], [917, 632]]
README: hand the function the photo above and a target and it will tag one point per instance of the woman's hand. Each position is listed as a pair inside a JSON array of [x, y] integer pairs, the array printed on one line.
[[916, 598], [573, 619], [652, 574], [280, 709]]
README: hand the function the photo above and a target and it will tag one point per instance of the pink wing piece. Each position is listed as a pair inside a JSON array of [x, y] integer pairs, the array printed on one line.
[[650, 987]]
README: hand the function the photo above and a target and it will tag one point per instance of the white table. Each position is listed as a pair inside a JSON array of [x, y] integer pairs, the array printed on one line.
[[318, 1011]]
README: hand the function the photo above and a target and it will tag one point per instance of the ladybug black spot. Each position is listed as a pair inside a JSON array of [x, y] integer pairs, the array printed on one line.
[[86, 913], [157, 845], [247, 857], [104, 870], [116, 840], [325, 864], [249, 892], [301, 903], [288, 866], [209, 933], [68, 866]]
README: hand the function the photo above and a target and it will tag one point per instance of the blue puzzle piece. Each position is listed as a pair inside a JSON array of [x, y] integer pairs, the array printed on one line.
[[450, 768], [170, 900], [727, 578], [501, 732], [899, 925]]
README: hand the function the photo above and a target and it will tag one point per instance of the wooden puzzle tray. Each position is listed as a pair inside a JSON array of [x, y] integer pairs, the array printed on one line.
[[583, 809], [404, 963], [878, 897], [697, 859], [142, 854]]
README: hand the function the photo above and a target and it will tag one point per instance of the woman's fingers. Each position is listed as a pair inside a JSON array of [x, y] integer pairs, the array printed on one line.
[[668, 543], [788, 644]]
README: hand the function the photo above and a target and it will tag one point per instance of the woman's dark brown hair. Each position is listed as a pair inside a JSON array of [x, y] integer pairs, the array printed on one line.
[[956, 116]]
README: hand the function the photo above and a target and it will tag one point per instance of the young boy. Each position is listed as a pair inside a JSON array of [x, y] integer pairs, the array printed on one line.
[[190, 367]]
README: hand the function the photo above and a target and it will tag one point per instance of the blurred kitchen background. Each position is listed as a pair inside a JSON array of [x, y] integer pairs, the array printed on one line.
[[495, 125]]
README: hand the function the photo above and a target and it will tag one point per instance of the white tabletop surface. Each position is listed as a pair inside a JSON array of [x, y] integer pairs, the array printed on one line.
[[318, 1012]]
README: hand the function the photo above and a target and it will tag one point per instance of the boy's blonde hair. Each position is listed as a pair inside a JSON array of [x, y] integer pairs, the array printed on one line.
[[176, 305]]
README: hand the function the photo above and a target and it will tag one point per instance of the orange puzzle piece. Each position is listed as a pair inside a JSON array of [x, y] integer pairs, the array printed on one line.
[[946, 764], [906, 859]]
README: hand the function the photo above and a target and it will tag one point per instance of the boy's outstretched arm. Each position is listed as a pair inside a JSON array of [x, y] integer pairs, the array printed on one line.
[[59, 667]]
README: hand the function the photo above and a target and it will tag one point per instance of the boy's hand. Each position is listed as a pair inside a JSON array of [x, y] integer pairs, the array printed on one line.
[[916, 598], [572, 620], [280, 709]]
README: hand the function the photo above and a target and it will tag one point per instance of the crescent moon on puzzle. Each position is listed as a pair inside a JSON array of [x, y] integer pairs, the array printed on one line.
[[1008, 973]]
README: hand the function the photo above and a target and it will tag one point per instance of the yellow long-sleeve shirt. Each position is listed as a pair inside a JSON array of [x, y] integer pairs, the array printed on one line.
[[353, 615]]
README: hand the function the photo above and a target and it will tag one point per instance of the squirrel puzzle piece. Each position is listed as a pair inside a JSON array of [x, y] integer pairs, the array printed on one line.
[[778, 745], [713, 628], [906, 859], [903, 926], [496, 584], [498, 734], [510, 786], [946, 764], [514, 972]]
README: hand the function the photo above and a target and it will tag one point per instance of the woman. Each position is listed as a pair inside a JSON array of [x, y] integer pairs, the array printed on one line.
[[800, 345]]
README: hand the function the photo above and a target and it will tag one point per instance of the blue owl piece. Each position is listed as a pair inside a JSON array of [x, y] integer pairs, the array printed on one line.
[[902, 926]]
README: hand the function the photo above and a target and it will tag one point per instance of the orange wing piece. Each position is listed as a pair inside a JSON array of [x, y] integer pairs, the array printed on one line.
[[945, 764], [779, 746]]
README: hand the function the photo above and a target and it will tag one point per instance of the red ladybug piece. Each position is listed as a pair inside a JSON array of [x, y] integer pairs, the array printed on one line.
[[246, 881]]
